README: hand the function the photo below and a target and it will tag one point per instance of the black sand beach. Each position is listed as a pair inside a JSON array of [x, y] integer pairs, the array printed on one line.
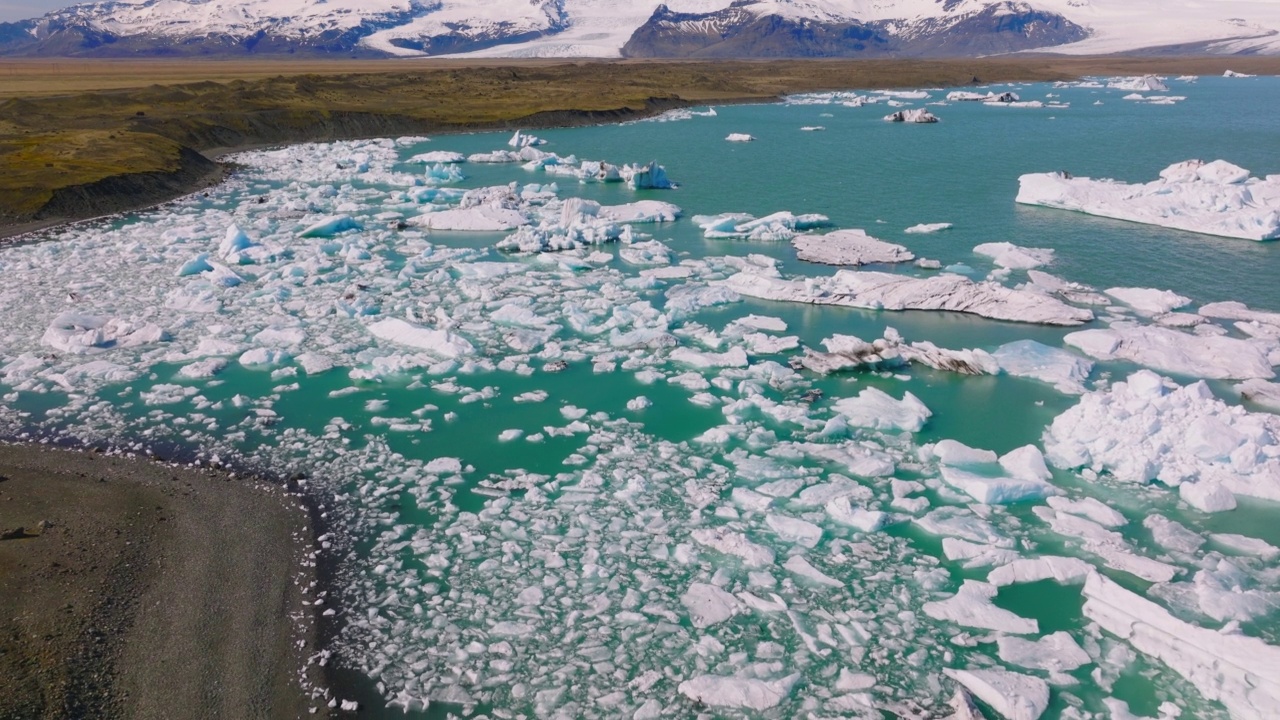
[[141, 590]]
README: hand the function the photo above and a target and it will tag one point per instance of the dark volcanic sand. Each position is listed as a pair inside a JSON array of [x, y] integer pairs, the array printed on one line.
[[156, 592]]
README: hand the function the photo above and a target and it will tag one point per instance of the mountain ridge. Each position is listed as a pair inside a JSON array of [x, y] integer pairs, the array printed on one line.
[[649, 28]]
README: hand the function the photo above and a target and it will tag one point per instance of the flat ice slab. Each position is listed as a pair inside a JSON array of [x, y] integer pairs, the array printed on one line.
[[1014, 695], [1215, 198], [885, 291], [1172, 351], [736, 692], [849, 247], [1241, 672]]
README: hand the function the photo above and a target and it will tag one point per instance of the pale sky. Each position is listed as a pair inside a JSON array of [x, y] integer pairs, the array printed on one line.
[[11, 10]]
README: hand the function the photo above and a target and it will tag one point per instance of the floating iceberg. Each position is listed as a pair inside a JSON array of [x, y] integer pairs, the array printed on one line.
[[438, 156], [1261, 392], [873, 408], [736, 692], [925, 228], [481, 218], [846, 352], [83, 334], [1149, 301], [1014, 695], [739, 137], [441, 343], [1180, 353], [1144, 83], [1241, 672], [1215, 198], [331, 226], [646, 177], [1147, 428], [778, 226], [988, 97], [918, 115], [885, 291], [848, 247], [523, 140], [1028, 358], [972, 606], [1014, 257]]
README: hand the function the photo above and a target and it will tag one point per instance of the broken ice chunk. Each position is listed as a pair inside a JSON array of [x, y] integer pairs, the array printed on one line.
[[1014, 695], [971, 606], [873, 408], [738, 692]]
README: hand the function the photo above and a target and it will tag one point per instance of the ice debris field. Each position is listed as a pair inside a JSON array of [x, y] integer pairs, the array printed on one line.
[[596, 440]]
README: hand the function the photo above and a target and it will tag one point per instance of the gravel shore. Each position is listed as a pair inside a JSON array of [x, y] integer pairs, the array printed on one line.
[[135, 589]]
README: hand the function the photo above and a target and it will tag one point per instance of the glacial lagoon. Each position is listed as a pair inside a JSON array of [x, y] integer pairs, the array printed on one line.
[[602, 482]]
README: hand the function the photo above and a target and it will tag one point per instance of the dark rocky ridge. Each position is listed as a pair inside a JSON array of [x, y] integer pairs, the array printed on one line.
[[736, 32], [119, 193]]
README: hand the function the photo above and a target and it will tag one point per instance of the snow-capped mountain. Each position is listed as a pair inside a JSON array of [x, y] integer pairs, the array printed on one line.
[[647, 28]]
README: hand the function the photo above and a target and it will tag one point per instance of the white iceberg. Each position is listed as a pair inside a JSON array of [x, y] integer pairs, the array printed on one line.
[[1241, 672], [1148, 301], [1261, 392], [739, 137], [1014, 695], [917, 115], [886, 291], [1014, 257], [441, 343], [873, 408], [1215, 198], [738, 692], [1148, 428], [1027, 358], [777, 226], [481, 218], [926, 228], [848, 247], [971, 606], [83, 334], [438, 156], [1172, 351], [1143, 83]]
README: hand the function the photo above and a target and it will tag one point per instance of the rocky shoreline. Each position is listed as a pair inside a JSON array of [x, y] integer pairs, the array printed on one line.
[[142, 589]]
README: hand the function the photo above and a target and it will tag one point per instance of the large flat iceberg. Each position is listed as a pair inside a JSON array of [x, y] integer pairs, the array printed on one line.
[[886, 291], [1241, 672], [1215, 198], [849, 247], [1172, 351]]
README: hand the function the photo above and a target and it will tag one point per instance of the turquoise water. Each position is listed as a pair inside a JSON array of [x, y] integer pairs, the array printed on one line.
[[437, 562]]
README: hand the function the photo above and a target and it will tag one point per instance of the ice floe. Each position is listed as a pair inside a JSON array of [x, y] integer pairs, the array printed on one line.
[[1215, 198], [926, 228], [1148, 428], [916, 115], [1027, 358], [876, 291], [1177, 352], [849, 247], [1014, 695], [1243, 673]]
